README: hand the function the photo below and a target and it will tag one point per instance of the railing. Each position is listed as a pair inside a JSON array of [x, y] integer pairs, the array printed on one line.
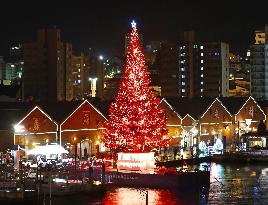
[[254, 153]]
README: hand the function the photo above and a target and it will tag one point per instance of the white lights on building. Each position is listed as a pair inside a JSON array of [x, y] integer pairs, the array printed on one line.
[[182, 69], [202, 61], [182, 76], [202, 54], [183, 90], [182, 83], [202, 68], [202, 82], [93, 86], [202, 75], [201, 47]]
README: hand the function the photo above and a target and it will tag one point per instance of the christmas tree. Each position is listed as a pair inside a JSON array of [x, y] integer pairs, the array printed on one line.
[[135, 121]]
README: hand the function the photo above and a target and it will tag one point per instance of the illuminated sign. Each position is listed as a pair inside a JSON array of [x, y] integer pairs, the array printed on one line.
[[135, 161]]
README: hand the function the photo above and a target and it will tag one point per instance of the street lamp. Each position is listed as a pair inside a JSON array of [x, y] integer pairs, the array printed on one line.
[[75, 153], [101, 57]]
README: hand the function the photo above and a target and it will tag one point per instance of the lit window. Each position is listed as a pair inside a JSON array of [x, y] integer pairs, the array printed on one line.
[[202, 82], [183, 90], [202, 68], [202, 75], [182, 76], [202, 54], [182, 61], [79, 70], [202, 61], [79, 81], [201, 90], [182, 83], [201, 47], [78, 76], [182, 69]]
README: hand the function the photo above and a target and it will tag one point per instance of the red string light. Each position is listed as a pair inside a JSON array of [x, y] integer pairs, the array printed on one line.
[[135, 120]]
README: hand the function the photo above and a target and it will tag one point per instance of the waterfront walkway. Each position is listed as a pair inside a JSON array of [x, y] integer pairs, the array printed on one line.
[[236, 157]]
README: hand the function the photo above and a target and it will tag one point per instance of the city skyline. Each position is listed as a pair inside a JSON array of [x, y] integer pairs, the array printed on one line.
[[102, 25]]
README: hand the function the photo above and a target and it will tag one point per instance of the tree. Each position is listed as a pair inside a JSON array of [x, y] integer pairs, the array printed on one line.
[[135, 121]]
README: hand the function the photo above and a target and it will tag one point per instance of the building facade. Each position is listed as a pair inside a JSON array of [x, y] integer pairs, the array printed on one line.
[[190, 66], [259, 65], [168, 70], [47, 67], [216, 69]]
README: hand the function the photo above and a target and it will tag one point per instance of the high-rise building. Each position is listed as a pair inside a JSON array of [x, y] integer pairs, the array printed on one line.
[[215, 66], [78, 63], [190, 73], [259, 65], [47, 67], [203, 68], [16, 58], [10, 71], [167, 66]]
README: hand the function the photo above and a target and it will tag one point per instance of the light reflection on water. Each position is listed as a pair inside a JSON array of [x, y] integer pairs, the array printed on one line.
[[130, 196], [230, 184], [238, 184]]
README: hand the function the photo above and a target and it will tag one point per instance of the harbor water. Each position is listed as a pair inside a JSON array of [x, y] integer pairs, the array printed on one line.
[[229, 184]]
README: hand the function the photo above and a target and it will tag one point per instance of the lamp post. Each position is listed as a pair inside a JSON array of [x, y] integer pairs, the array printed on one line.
[[75, 154]]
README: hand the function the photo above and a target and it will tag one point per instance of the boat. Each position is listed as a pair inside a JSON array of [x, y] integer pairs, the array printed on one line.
[[194, 179]]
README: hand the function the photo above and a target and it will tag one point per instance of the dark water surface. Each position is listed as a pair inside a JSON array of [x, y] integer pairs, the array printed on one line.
[[230, 184]]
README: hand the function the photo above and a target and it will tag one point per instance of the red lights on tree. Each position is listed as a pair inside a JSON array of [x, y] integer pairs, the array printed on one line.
[[135, 120]]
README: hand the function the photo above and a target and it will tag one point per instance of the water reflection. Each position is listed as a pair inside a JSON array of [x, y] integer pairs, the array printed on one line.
[[240, 184], [230, 184], [129, 196]]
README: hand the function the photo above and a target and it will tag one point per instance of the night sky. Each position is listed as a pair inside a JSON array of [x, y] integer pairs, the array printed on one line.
[[102, 24]]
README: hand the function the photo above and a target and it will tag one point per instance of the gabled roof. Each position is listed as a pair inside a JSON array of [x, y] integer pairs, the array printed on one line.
[[163, 100], [233, 104], [192, 106], [216, 100], [13, 112], [81, 104]]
